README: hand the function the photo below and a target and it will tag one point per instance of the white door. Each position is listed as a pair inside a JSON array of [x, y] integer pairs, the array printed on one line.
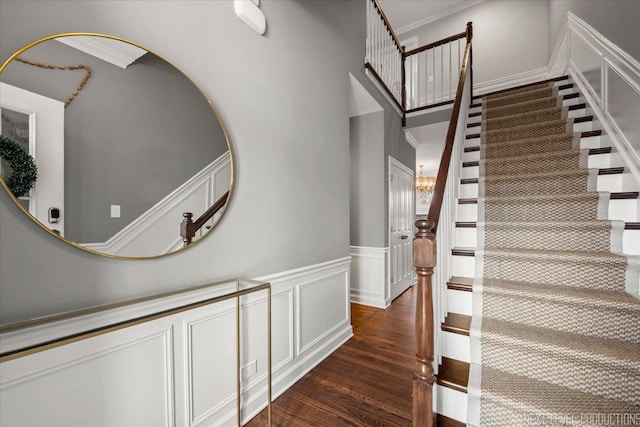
[[401, 219], [43, 133]]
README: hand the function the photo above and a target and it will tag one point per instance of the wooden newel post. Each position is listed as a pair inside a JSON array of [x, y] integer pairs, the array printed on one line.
[[187, 228], [424, 259]]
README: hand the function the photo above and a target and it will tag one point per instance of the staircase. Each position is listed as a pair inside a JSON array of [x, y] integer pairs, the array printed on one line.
[[542, 328]]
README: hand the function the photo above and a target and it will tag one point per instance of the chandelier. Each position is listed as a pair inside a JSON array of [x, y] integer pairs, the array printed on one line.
[[424, 183]]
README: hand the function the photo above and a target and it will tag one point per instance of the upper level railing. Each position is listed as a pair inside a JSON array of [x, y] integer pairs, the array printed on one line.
[[385, 54], [418, 79], [432, 73]]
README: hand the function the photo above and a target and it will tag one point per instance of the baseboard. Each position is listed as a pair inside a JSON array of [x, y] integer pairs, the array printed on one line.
[[507, 82], [369, 276]]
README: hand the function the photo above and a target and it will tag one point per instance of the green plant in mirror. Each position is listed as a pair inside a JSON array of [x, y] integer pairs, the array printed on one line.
[[24, 171]]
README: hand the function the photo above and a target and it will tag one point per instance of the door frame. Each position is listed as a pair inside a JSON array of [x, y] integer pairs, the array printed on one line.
[[46, 145]]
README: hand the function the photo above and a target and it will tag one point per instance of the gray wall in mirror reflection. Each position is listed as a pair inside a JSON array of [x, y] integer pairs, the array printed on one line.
[[132, 136]]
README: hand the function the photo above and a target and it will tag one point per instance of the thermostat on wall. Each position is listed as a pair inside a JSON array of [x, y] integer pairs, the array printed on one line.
[[54, 215]]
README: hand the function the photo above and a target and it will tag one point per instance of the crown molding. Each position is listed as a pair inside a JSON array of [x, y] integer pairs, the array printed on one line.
[[411, 139], [115, 52], [449, 11]]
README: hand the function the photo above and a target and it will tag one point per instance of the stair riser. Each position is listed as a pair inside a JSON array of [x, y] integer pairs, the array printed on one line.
[[580, 318], [596, 321], [467, 238], [612, 183], [455, 346], [567, 102], [570, 114], [577, 127], [460, 302], [595, 161], [464, 266], [621, 383], [585, 143], [621, 210], [451, 403]]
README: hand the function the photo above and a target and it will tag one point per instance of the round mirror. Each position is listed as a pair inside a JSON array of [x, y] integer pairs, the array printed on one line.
[[109, 147]]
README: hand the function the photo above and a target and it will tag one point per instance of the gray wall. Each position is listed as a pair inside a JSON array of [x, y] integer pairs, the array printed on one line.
[[131, 136], [510, 36], [394, 144], [368, 209], [284, 101], [617, 20]]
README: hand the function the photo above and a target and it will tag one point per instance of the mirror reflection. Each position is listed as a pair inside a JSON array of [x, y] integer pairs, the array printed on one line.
[[124, 145]]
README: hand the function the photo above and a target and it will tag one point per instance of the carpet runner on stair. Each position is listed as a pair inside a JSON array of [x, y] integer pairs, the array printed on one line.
[[555, 338]]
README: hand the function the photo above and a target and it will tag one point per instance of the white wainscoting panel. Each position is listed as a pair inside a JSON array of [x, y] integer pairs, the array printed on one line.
[[210, 348], [609, 79], [323, 307], [370, 276], [121, 378], [178, 370]]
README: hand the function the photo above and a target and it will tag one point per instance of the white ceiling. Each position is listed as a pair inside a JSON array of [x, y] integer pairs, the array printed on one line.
[[406, 15]]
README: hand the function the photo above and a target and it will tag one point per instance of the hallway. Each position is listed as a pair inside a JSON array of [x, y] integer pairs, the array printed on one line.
[[366, 382]]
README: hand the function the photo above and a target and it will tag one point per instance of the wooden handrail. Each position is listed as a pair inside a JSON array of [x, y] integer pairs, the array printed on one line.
[[424, 260], [453, 38], [188, 227], [443, 170], [375, 75]]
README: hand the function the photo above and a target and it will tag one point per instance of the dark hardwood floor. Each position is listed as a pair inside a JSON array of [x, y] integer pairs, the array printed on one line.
[[366, 382]]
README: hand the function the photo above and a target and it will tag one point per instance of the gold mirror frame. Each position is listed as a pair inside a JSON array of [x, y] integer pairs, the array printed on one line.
[[205, 98]]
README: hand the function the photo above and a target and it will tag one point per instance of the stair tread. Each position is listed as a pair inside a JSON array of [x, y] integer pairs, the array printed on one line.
[[515, 95], [523, 117], [456, 323], [459, 283], [454, 374], [564, 97], [550, 254], [544, 174], [612, 196], [545, 155], [473, 224], [622, 353], [442, 421], [601, 171], [534, 140], [534, 397], [543, 291]]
